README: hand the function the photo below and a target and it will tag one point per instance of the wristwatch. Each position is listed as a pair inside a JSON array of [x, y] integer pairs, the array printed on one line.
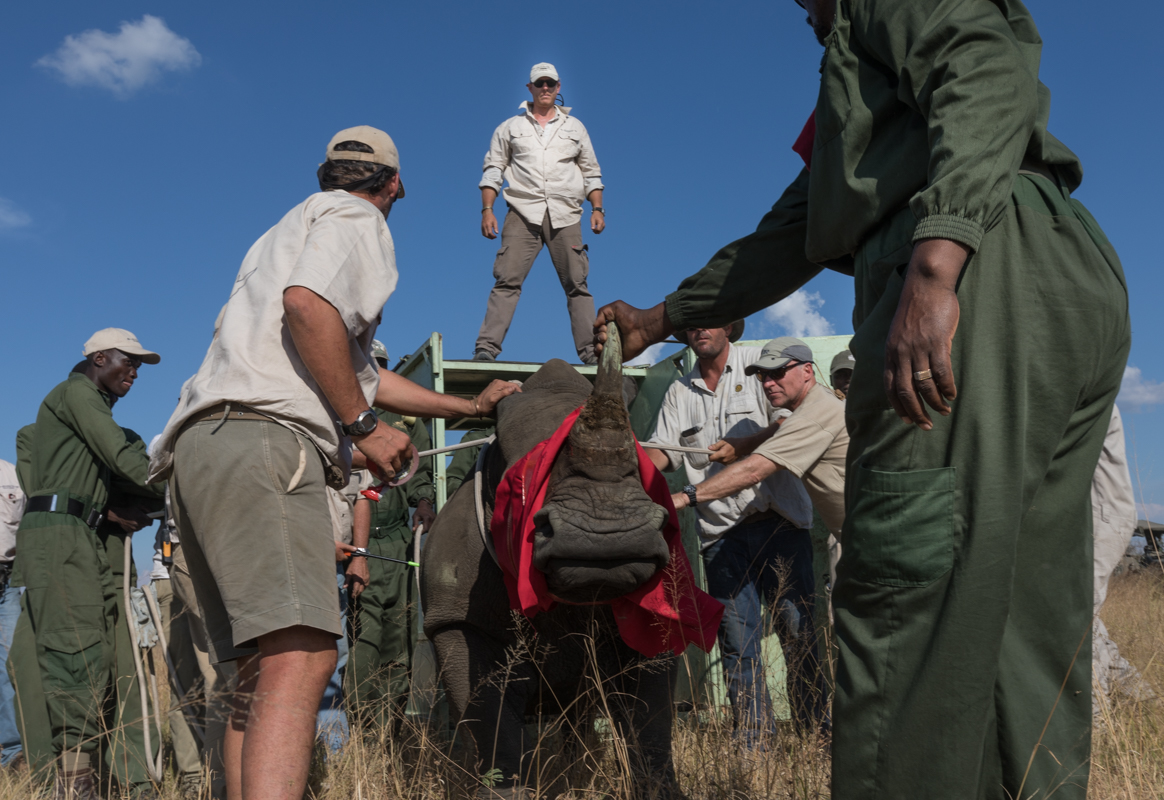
[[364, 424], [689, 490]]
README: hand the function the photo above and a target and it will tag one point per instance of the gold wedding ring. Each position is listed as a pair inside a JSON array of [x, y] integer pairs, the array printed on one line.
[[924, 375]]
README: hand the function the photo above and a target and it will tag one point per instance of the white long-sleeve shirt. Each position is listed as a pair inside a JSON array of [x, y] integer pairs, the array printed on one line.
[[547, 168], [737, 407]]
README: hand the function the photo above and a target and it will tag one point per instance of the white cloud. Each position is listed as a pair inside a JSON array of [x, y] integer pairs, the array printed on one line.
[[1136, 392], [122, 62], [11, 217], [649, 357], [797, 314]]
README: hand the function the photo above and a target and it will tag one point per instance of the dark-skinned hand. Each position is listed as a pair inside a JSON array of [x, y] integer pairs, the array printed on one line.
[[922, 332], [130, 519], [424, 515], [639, 327]]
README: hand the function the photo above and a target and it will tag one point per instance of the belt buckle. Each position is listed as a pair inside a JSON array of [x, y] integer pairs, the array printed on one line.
[[94, 519]]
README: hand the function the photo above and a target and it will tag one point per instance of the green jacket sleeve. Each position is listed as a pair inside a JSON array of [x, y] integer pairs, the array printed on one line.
[[86, 412], [420, 487], [750, 273], [972, 73], [122, 491], [24, 457], [464, 460]]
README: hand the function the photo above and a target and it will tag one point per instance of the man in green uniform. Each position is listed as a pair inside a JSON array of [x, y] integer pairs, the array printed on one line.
[[464, 461], [383, 597], [76, 453], [963, 598]]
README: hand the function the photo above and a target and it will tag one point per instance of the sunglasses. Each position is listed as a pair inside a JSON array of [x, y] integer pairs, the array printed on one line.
[[766, 375], [542, 83]]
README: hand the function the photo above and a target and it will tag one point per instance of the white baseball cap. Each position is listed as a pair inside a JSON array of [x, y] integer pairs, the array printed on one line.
[[119, 339], [384, 150], [542, 70]]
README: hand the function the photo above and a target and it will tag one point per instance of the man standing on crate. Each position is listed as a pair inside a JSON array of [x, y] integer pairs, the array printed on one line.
[[546, 156]]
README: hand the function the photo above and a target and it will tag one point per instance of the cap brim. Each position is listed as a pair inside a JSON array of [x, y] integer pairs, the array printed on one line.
[[146, 356], [766, 363]]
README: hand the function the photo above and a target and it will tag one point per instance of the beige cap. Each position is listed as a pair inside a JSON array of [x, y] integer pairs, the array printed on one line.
[[542, 70], [119, 339], [384, 150]]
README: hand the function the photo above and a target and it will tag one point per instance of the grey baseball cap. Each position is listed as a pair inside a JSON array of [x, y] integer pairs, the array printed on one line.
[[842, 360], [779, 352]]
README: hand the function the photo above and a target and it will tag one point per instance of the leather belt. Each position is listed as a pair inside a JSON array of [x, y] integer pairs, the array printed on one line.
[[52, 503], [236, 411]]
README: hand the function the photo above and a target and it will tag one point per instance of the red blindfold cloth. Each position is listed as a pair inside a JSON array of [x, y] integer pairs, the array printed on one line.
[[667, 612]]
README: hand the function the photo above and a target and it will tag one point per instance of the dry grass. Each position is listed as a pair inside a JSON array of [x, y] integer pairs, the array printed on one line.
[[1128, 747]]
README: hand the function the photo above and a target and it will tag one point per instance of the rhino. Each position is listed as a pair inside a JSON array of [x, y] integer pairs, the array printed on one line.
[[598, 536]]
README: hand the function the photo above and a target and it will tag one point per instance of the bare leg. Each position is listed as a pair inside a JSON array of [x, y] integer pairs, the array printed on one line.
[[268, 745]]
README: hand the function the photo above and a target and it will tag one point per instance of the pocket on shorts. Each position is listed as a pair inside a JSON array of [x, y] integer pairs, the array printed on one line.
[[900, 527]]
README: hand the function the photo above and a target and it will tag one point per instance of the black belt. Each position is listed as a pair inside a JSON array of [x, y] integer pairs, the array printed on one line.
[[75, 508]]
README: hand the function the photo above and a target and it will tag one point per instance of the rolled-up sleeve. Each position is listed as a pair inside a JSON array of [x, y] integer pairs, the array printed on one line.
[[497, 159], [962, 67], [588, 164]]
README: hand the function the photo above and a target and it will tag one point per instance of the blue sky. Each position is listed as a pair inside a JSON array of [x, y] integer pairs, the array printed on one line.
[[140, 164]]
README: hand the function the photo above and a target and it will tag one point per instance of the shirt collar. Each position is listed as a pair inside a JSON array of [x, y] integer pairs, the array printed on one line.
[[527, 107]]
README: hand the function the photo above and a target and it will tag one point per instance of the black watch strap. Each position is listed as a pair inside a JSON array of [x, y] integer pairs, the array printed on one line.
[[363, 424], [689, 490]]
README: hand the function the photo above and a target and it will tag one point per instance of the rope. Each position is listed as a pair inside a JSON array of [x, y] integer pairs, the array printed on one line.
[[479, 505], [154, 770]]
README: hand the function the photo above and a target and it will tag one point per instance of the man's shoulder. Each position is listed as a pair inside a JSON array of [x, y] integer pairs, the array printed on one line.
[[823, 406]]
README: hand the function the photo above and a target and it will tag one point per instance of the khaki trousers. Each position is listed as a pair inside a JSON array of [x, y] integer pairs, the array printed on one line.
[[521, 242], [188, 707]]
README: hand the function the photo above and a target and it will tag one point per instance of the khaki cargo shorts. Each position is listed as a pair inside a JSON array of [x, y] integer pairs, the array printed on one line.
[[261, 558]]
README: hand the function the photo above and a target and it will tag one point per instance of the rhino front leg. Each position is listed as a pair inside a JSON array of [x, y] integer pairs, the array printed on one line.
[[643, 715], [487, 687]]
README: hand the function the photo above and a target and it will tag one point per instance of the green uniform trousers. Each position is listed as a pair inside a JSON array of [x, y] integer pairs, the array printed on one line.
[[963, 605], [382, 626], [72, 659]]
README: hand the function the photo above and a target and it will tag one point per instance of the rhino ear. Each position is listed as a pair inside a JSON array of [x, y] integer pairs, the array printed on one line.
[[609, 379]]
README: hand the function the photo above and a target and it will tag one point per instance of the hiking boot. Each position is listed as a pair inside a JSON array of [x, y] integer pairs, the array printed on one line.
[[78, 785], [483, 355]]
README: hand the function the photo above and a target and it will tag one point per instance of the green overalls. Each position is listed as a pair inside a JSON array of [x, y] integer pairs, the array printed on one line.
[[382, 618], [963, 604], [71, 620]]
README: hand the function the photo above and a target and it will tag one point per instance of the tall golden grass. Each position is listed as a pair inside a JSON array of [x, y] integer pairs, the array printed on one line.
[[413, 763]]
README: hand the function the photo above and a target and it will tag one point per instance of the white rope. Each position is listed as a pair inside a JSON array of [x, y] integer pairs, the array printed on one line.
[[154, 770], [659, 446], [479, 505]]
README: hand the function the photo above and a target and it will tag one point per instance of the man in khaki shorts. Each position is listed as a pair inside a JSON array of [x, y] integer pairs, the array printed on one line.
[[264, 426], [546, 156]]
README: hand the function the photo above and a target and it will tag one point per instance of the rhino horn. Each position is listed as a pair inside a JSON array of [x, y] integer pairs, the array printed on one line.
[[609, 380]]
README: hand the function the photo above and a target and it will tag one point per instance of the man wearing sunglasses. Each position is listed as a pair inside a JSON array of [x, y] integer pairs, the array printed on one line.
[[546, 156], [991, 334]]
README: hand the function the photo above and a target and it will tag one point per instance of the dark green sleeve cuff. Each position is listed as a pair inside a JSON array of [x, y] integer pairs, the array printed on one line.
[[949, 226], [676, 312]]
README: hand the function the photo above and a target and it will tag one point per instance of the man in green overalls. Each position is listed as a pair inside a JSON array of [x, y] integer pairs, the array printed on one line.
[[963, 598], [383, 605], [77, 456]]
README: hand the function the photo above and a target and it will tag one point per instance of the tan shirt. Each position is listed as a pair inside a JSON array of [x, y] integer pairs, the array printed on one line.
[[812, 445], [551, 169], [737, 407], [11, 510], [338, 246]]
